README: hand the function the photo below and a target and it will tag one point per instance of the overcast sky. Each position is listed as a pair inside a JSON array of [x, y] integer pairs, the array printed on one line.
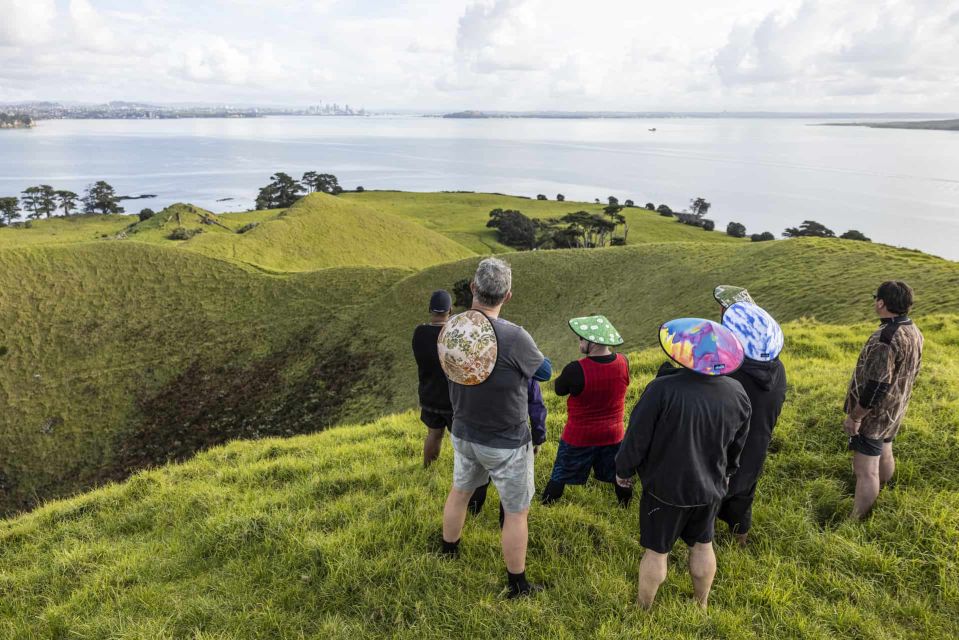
[[821, 55]]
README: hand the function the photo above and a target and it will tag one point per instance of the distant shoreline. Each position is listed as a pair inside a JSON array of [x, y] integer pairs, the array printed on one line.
[[638, 115], [926, 125]]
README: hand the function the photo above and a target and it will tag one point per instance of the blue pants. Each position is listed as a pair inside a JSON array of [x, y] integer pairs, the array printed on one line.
[[573, 464]]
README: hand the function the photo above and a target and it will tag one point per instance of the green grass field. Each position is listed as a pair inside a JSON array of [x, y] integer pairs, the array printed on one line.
[[122, 349], [329, 536], [463, 217]]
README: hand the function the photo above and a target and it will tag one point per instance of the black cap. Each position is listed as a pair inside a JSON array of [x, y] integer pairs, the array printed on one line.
[[440, 301]]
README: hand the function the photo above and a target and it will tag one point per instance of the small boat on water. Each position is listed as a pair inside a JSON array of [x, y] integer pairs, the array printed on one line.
[[653, 129]]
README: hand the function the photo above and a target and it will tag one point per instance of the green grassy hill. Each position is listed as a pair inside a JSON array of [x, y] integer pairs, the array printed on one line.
[[125, 354], [102, 343], [61, 230], [640, 287], [328, 536], [463, 217]]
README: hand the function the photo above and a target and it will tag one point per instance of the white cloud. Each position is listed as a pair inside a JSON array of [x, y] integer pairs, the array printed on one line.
[[26, 22], [90, 29]]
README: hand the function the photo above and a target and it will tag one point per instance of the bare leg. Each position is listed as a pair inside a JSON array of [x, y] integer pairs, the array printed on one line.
[[702, 567], [515, 538], [866, 469], [431, 446], [652, 573], [887, 464], [454, 514]]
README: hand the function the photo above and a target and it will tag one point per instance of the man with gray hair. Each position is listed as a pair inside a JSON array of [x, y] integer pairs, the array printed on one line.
[[491, 434]]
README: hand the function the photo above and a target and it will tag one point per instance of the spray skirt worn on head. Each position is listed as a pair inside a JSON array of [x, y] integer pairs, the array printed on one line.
[[761, 336], [596, 329], [728, 295], [701, 345], [467, 348]]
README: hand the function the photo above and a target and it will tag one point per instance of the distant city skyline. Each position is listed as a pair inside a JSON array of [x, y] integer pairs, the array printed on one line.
[[494, 55]]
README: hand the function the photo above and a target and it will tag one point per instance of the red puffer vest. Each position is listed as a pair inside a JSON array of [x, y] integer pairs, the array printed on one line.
[[595, 416]]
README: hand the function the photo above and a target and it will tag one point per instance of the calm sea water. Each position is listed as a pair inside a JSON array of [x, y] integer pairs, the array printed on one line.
[[899, 187]]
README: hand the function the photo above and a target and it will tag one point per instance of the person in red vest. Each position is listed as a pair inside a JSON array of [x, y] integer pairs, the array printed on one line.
[[596, 386]]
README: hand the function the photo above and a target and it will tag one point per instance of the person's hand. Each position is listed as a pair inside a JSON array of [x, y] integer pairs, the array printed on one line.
[[851, 426], [625, 483]]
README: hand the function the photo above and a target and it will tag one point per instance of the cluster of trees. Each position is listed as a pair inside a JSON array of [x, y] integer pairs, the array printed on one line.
[[284, 190], [813, 229], [579, 229], [43, 201]]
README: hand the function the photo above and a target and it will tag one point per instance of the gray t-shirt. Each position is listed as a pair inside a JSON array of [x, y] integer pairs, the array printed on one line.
[[495, 413]]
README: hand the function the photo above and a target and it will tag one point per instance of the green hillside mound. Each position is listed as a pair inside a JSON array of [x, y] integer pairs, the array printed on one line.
[[64, 230], [120, 343], [323, 231], [329, 536], [177, 216], [463, 217], [640, 287], [101, 344]]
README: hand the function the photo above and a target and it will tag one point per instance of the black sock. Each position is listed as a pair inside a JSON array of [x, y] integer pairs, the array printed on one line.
[[517, 582], [623, 495], [451, 548], [553, 492], [478, 499]]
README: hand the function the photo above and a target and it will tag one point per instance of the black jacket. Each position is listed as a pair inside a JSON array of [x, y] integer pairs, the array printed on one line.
[[434, 390], [685, 435], [765, 384]]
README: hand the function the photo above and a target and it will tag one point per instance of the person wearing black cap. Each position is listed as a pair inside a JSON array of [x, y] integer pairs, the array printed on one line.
[[436, 411]]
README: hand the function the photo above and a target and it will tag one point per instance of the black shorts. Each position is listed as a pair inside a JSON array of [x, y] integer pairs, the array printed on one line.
[[573, 464], [867, 446], [661, 525], [434, 420]]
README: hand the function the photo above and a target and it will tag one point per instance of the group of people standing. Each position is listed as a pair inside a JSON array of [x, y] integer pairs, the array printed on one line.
[[697, 438]]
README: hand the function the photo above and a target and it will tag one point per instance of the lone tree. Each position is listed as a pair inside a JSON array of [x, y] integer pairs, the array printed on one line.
[[664, 210], [699, 207], [765, 236], [707, 225], [282, 192], [513, 228], [651, 206], [560, 197], [629, 203], [809, 228], [541, 197], [613, 201], [146, 214], [9, 209], [67, 200], [321, 182], [736, 230], [100, 197], [852, 234]]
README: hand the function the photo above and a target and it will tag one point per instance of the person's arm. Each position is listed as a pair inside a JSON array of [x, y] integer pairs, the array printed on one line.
[[642, 425], [571, 381], [545, 371], [537, 414], [878, 369], [735, 448]]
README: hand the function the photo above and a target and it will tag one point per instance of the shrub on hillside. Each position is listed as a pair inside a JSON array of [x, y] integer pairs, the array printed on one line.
[[560, 197], [541, 197], [629, 203], [762, 237], [182, 233], [4, 351], [852, 234], [248, 227], [360, 189], [650, 206], [664, 210], [809, 229], [462, 294], [708, 225], [736, 230], [513, 228], [146, 214]]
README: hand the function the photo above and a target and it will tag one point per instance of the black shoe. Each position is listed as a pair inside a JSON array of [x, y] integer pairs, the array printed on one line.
[[523, 592], [449, 550]]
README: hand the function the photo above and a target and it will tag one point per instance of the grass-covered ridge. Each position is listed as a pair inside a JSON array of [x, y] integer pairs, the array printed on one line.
[[463, 216], [327, 536]]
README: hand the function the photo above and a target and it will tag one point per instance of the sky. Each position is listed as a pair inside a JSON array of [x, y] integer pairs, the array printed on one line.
[[635, 55]]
